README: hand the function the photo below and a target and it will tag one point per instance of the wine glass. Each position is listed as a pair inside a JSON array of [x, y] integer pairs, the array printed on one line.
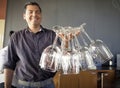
[[86, 59], [75, 60], [96, 57], [98, 48], [51, 54], [74, 54], [49, 57], [66, 51]]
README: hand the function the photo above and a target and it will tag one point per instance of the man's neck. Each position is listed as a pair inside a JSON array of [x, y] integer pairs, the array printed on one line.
[[35, 29]]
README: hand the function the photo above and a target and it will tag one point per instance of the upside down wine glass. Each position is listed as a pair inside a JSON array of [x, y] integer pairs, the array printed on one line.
[[98, 48], [86, 59], [51, 54]]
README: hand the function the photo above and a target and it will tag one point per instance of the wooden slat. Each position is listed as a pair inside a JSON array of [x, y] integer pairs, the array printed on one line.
[[3, 5], [85, 79]]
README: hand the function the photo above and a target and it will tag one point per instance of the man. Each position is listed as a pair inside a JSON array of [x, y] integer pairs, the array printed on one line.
[[3, 59], [25, 49]]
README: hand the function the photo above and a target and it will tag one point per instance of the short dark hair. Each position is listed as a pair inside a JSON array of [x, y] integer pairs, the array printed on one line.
[[11, 32], [31, 3]]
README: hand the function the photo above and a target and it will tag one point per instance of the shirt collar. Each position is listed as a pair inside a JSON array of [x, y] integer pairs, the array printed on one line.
[[40, 30]]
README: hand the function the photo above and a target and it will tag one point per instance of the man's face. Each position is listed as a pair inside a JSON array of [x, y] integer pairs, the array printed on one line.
[[32, 15]]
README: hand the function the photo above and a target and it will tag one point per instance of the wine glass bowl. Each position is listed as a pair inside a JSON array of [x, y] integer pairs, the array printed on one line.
[[48, 57], [101, 50]]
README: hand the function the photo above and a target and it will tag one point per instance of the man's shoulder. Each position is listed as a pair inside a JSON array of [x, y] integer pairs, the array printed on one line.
[[48, 30], [19, 32], [17, 35]]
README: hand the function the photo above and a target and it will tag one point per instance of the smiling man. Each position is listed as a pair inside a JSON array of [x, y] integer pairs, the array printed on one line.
[[25, 49]]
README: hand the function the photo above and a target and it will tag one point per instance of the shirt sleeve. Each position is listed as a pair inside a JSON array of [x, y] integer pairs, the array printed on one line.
[[12, 57]]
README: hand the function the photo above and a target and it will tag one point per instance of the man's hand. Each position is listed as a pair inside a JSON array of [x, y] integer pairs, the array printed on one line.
[[67, 37]]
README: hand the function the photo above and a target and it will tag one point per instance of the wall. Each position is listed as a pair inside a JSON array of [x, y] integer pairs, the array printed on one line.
[[102, 17], [3, 4]]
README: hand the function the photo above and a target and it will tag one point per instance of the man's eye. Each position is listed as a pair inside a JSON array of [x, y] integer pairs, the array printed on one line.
[[30, 12], [37, 12]]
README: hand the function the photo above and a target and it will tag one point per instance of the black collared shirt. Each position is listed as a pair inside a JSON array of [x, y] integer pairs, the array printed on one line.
[[25, 48]]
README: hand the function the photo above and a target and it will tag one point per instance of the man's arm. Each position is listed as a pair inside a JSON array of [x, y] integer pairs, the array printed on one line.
[[8, 73]]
